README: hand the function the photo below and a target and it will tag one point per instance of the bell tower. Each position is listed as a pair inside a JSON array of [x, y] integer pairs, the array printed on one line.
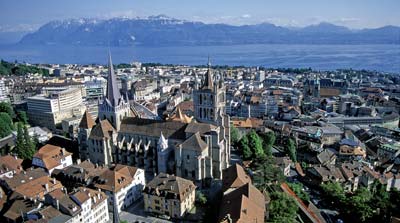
[[209, 98], [114, 106]]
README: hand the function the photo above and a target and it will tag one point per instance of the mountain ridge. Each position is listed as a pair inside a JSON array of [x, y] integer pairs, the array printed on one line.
[[166, 31]]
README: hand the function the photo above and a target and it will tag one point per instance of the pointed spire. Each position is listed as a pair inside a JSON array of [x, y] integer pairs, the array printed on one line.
[[208, 82], [162, 142], [112, 94]]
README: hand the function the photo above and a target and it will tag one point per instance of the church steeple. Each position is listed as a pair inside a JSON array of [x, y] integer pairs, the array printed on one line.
[[114, 106], [208, 82], [112, 94]]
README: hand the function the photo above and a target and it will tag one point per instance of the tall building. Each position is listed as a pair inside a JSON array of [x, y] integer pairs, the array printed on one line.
[[114, 107], [311, 88], [197, 149], [209, 102], [49, 110]]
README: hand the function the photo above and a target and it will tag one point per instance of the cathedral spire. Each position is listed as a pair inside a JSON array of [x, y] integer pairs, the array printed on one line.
[[208, 82], [112, 94]]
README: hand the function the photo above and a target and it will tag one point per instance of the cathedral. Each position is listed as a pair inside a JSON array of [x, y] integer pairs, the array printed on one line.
[[196, 148]]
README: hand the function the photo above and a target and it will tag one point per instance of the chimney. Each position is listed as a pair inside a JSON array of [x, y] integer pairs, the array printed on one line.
[[78, 161], [57, 204], [15, 157], [54, 181], [47, 187]]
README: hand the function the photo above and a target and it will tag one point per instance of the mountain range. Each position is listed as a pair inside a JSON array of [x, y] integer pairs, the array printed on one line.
[[166, 31]]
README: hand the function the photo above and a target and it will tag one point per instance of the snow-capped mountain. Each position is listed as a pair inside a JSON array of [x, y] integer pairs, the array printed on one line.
[[163, 30]]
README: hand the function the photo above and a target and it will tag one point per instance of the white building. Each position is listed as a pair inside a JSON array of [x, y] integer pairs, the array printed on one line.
[[3, 92], [49, 110], [10, 165], [126, 181], [52, 157], [93, 204]]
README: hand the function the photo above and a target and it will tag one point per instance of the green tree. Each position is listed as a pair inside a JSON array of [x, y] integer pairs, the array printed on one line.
[[334, 192], [298, 190], [6, 124], [283, 208], [291, 150], [255, 144], [7, 108], [29, 144], [360, 203], [25, 146], [200, 198], [20, 142], [268, 142], [22, 117], [244, 146], [267, 173], [235, 135]]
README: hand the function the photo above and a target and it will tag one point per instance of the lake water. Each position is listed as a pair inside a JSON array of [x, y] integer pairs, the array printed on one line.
[[320, 57]]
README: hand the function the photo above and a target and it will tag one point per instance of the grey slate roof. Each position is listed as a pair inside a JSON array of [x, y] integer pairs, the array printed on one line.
[[150, 127], [112, 93]]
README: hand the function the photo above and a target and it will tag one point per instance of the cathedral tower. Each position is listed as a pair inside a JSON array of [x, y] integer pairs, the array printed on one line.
[[114, 106], [209, 107]]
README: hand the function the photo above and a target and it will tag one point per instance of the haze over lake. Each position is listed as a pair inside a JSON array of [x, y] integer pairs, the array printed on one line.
[[321, 57]]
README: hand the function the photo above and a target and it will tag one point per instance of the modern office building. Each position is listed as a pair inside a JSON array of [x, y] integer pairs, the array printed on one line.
[[49, 110]]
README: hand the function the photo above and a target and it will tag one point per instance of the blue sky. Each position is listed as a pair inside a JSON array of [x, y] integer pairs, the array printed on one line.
[[18, 15]]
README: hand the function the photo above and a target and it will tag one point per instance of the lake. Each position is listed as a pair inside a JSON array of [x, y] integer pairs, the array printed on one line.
[[321, 57]]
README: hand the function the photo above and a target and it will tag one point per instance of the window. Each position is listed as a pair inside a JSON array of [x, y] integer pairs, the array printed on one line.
[[188, 157]]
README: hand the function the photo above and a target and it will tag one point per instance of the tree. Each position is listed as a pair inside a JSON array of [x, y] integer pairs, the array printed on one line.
[[255, 145], [244, 146], [298, 190], [20, 143], [6, 124], [22, 117], [283, 208], [200, 198], [25, 146], [291, 150], [30, 147], [235, 135], [266, 173], [268, 141], [360, 204], [334, 192], [7, 108]]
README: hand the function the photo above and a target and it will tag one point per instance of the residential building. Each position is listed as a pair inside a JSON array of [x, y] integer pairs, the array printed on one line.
[[10, 165], [242, 202], [3, 92], [52, 157], [125, 183], [169, 195]]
